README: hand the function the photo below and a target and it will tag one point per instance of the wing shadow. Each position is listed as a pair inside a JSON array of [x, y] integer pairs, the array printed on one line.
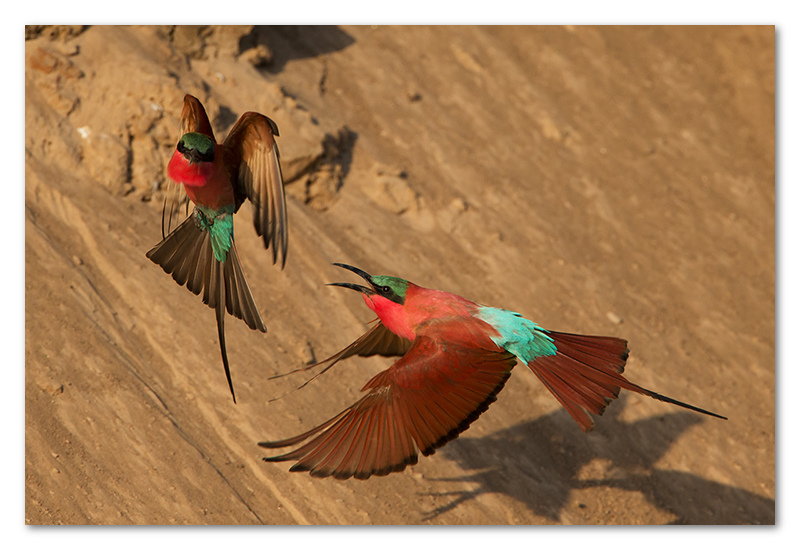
[[697, 501], [539, 463]]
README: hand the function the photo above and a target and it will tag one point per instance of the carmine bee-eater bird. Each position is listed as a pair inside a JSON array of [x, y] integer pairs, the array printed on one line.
[[456, 357], [218, 177]]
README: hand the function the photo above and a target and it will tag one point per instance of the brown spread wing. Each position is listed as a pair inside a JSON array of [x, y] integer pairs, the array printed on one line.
[[427, 398], [194, 118], [253, 156], [378, 340]]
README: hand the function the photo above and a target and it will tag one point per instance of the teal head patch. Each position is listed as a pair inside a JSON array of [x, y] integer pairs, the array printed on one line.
[[391, 288]]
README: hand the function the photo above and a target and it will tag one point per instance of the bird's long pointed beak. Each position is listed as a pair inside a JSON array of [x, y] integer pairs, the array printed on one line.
[[362, 289], [361, 273]]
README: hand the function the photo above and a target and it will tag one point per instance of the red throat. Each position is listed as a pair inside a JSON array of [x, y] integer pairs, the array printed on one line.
[[392, 315], [193, 175]]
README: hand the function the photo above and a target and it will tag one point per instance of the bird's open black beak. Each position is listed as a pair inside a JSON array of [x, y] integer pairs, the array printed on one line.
[[361, 273], [193, 157]]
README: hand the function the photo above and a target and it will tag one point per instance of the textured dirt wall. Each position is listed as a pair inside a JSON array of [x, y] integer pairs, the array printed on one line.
[[606, 180]]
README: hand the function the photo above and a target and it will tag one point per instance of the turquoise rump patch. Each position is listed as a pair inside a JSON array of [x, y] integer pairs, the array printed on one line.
[[522, 337], [220, 226]]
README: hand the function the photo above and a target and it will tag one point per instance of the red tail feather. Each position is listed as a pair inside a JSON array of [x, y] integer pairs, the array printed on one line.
[[585, 375]]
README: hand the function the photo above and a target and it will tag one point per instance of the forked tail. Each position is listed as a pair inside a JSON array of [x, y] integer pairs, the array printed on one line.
[[187, 255], [585, 375]]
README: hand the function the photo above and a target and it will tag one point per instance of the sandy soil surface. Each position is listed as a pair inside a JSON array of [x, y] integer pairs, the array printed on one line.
[[609, 180]]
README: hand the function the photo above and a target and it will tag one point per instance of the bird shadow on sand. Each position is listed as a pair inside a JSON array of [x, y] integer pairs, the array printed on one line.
[[539, 463], [288, 42]]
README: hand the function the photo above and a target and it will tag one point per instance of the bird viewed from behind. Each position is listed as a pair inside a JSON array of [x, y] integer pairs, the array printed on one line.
[[456, 356], [218, 177]]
